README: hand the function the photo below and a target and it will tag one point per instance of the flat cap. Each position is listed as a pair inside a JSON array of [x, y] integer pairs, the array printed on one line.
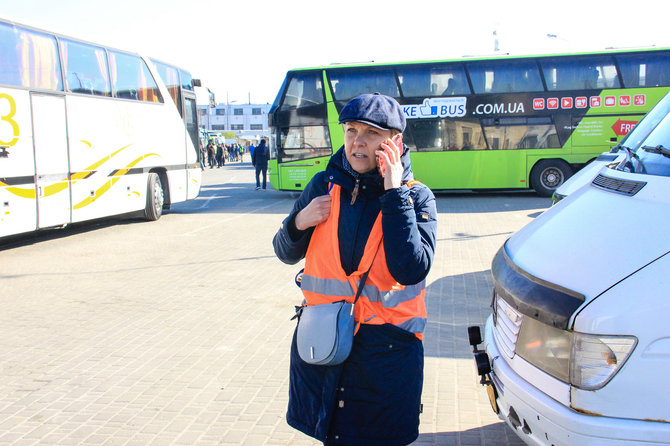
[[376, 110]]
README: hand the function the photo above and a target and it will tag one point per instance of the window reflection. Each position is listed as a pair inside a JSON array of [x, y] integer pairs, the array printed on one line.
[[170, 77], [505, 76], [299, 143], [577, 73], [28, 59], [303, 90], [131, 78], [349, 83], [642, 70], [445, 135], [431, 80], [85, 69], [521, 133]]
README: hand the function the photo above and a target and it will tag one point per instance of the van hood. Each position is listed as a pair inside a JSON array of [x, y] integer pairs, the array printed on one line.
[[595, 237]]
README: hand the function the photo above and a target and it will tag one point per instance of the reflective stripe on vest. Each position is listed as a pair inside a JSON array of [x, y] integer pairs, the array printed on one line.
[[382, 300]]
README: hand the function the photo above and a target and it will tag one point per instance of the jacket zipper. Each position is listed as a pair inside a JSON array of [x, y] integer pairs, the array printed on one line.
[[354, 194]]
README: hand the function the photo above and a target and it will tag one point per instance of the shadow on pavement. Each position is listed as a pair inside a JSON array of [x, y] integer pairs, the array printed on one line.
[[446, 331], [490, 435]]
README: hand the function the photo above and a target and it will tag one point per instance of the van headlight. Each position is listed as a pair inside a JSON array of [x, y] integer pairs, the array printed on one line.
[[582, 360]]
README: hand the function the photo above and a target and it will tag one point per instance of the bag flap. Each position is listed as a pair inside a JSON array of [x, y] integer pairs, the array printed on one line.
[[317, 330]]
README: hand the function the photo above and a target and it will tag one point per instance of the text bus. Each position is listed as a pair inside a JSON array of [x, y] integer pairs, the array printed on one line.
[[86, 132], [488, 123]]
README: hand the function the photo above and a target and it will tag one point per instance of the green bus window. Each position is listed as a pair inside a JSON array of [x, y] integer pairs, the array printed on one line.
[[505, 76], [645, 70], [520, 133], [304, 90], [85, 69], [579, 73], [29, 59], [300, 143], [430, 80], [351, 82], [445, 135], [131, 78]]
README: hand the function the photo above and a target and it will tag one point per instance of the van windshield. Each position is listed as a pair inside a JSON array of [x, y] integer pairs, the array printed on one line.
[[653, 152], [636, 137]]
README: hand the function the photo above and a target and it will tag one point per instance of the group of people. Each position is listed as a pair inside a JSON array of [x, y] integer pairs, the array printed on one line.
[[216, 155]]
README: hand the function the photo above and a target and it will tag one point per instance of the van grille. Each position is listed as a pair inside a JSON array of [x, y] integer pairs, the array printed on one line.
[[625, 187], [507, 325]]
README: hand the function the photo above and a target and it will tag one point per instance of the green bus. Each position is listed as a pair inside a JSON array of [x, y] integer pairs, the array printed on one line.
[[498, 122]]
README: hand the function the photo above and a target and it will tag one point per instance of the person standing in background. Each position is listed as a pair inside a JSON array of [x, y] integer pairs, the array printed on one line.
[[260, 161]]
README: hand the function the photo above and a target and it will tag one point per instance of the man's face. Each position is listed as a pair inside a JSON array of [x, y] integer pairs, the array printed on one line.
[[360, 143]]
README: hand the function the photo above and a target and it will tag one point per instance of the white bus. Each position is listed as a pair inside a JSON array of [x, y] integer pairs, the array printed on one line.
[[88, 131]]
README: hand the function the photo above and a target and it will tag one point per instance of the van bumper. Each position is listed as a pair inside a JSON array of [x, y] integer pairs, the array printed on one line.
[[540, 420]]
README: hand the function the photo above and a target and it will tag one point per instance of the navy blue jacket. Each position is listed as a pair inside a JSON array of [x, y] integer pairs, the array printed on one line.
[[260, 156], [373, 398]]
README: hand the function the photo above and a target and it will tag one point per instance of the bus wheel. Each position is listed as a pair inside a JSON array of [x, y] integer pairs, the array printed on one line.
[[155, 198], [547, 175]]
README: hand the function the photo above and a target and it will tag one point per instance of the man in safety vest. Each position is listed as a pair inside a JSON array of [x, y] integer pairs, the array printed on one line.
[[364, 212]]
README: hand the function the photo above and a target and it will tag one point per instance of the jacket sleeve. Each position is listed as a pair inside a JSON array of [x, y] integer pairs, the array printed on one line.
[[409, 224], [290, 244]]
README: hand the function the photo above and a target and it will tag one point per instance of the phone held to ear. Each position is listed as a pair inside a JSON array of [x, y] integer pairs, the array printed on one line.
[[397, 140]]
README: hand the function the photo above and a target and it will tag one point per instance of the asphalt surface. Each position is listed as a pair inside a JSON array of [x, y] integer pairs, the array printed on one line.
[[177, 332]]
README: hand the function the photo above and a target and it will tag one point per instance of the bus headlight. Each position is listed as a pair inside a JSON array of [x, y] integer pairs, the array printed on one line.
[[582, 360]]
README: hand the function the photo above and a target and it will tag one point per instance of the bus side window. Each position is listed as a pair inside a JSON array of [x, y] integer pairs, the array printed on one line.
[[131, 78], [442, 80], [85, 68], [428, 135], [645, 70], [29, 59], [589, 72]]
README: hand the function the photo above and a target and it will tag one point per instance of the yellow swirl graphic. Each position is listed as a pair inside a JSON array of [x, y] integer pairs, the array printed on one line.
[[24, 192], [108, 185]]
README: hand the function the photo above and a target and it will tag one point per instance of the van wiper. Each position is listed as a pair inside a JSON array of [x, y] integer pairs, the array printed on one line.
[[618, 147], [628, 165], [658, 149]]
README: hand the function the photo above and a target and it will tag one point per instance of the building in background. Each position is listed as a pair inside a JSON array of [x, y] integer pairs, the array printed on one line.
[[249, 122]]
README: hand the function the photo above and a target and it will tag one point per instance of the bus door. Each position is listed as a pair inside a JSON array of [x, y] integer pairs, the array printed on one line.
[[191, 124], [52, 165]]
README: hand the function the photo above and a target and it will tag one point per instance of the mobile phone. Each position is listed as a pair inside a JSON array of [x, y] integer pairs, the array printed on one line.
[[380, 166]]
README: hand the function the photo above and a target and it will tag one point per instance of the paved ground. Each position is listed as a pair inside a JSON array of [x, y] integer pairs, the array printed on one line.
[[176, 332]]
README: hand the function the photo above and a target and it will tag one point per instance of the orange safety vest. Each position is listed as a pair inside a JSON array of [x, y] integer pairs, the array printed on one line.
[[383, 300]]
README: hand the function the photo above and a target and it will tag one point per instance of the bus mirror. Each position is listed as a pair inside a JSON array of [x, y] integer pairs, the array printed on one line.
[[197, 83]]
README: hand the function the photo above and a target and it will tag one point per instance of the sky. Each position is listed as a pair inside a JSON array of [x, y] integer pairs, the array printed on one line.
[[242, 49]]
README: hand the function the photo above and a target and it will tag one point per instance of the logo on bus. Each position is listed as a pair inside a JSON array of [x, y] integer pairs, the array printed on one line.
[[436, 108], [499, 109], [591, 101]]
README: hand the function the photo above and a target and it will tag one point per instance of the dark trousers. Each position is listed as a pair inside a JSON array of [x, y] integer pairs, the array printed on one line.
[[264, 170]]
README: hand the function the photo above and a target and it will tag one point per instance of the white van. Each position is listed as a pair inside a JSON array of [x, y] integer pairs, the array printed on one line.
[[577, 350], [627, 147]]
